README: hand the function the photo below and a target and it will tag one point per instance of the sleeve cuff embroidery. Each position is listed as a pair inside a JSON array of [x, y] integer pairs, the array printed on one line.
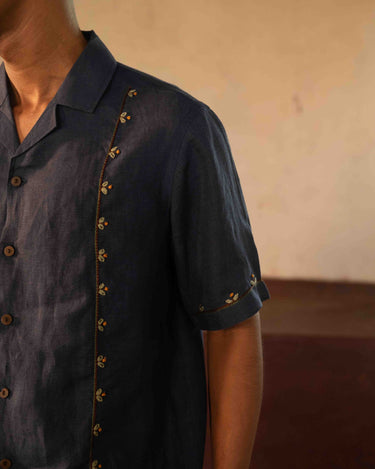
[[238, 310], [233, 297]]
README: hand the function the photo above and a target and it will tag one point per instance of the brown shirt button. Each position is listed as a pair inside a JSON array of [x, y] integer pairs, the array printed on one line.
[[16, 181], [4, 392], [6, 319], [8, 251], [5, 463]]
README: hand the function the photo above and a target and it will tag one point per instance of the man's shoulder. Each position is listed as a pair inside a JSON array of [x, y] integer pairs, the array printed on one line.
[[151, 83], [163, 97]]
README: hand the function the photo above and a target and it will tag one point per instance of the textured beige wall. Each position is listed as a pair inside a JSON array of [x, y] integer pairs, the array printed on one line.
[[294, 85]]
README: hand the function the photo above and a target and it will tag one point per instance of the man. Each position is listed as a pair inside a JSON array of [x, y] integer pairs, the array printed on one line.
[[124, 236]]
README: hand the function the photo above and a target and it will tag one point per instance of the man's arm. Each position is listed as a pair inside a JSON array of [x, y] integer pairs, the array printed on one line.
[[234, 362]]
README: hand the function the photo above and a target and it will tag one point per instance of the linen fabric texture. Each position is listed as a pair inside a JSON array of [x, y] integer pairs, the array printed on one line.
[[130, 236]]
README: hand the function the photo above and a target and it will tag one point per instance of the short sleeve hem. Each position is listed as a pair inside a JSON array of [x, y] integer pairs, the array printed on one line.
[[231, 314]]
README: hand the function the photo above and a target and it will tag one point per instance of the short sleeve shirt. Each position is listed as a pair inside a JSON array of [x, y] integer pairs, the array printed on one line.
[[124, 235]]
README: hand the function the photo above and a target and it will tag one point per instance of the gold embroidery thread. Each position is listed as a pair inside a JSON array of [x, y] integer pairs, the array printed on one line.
[[97, 429], [101, 324], [101, 360], [124, 116], [102, 223], [114, 152], [102, 255], [102, 289], [105, 187], [233, 297], [100, 394]]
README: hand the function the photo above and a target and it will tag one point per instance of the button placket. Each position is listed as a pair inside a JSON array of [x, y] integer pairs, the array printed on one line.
[[5, 463], [9, 250], [4, 393], [16, 181], [6, 319]]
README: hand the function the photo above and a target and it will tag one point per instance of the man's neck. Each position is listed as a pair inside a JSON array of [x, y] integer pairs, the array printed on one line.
[[38, 55]]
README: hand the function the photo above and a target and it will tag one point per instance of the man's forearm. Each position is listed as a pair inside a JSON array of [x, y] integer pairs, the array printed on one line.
[[235, 381]]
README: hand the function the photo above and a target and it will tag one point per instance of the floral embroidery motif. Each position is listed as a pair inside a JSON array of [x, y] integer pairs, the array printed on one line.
[[102, 223], [255, 281], [114, 152], [234, 296], [102, 289], [101, 360], [100, 394], [122, 117], [105, 187], [102, 255], [101, 324], [97, 429]]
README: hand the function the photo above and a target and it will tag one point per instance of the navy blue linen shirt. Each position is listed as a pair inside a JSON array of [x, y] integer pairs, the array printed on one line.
[[124, 234]]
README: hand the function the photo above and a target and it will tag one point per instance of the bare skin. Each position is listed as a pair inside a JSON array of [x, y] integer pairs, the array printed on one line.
[[40, 40], [234, 363]]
